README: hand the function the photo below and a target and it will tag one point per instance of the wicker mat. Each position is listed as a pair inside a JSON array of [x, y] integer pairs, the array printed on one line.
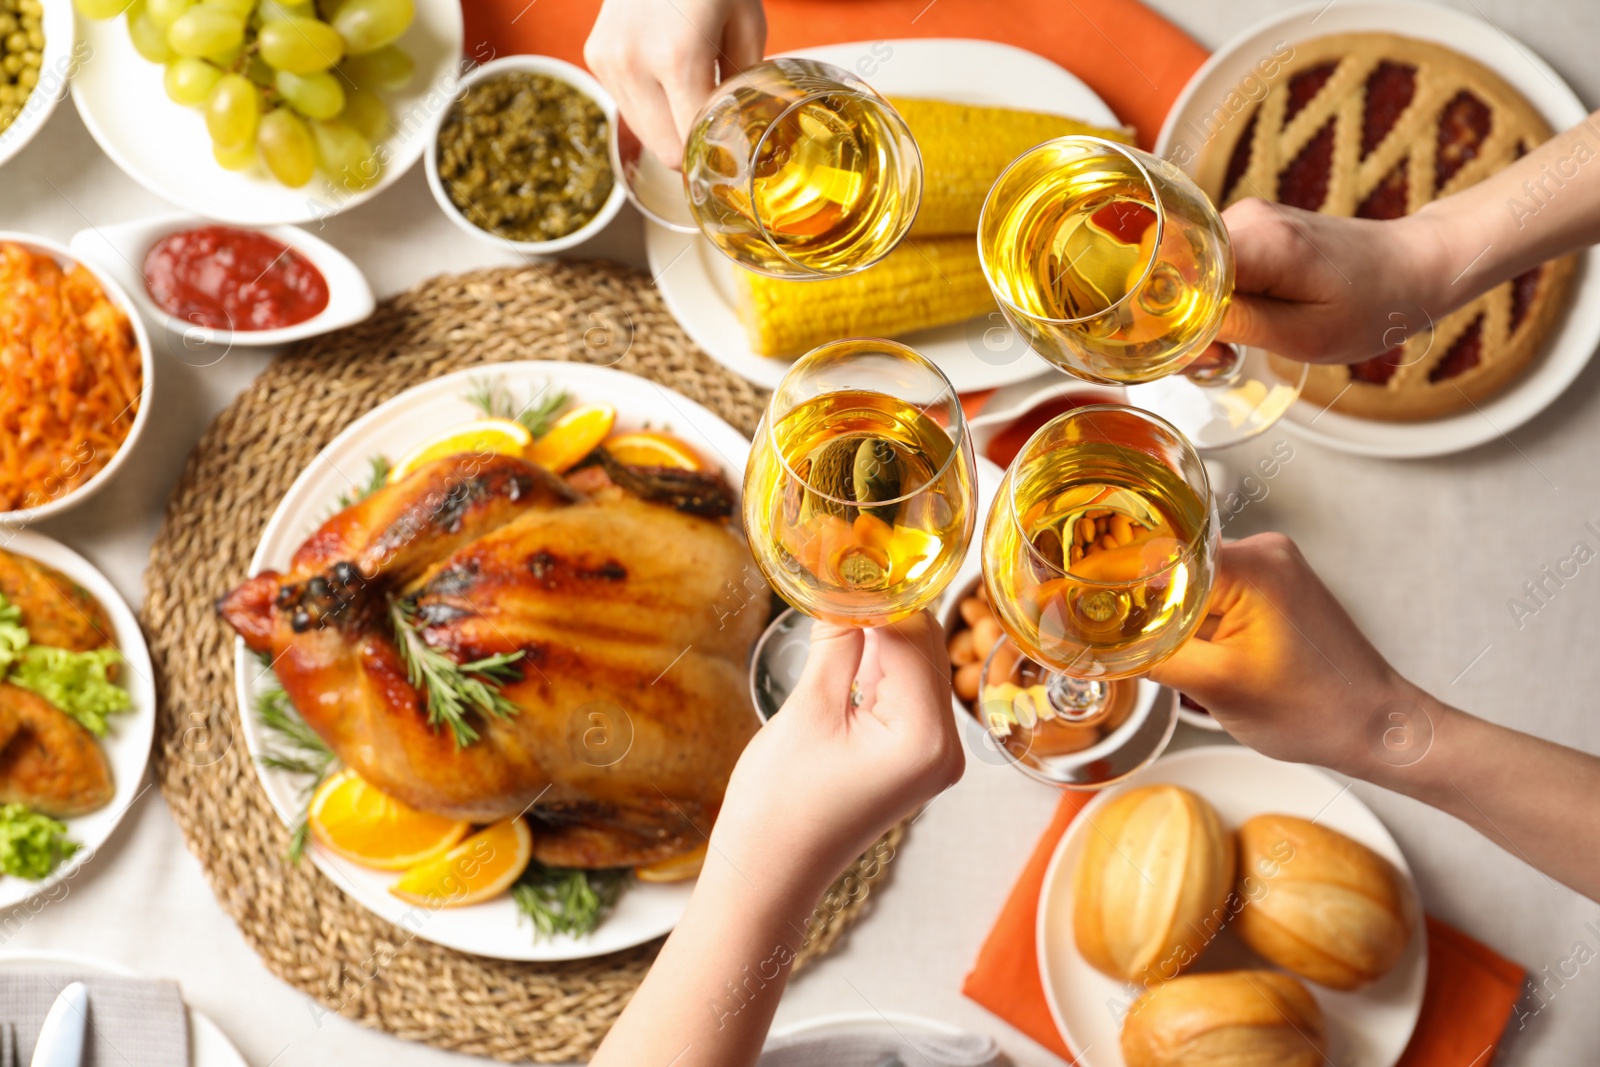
[[306, 930]]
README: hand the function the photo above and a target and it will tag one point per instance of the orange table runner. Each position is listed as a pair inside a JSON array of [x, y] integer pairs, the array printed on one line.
[[1470, 990], [1135, 59]]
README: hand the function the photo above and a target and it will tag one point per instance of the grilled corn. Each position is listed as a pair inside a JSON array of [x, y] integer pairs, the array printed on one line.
[[923, 283], [965, 148]]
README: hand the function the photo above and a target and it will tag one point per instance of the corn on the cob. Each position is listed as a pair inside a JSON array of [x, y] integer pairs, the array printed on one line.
[[965, 148], [924, 283]]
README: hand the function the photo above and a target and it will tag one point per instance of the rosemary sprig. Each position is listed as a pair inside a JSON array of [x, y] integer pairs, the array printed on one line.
[[493, 398], [453, 688], [566, 900], [377, 475], [298, 751]]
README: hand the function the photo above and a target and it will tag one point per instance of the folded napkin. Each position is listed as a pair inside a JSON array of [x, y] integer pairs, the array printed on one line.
[[868, 1048], [133, 1022], [1470, 989], [1133, 58]]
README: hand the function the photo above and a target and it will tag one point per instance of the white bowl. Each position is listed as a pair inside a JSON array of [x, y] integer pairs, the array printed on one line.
[[165, 148], [121, 249], [59, 62], [553, 68], [115, 292]]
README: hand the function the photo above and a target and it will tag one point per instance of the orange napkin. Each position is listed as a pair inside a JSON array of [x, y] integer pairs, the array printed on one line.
[[1135, 59], [1468, 1000]]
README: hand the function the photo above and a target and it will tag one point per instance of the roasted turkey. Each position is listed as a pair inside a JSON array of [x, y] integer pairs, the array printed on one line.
[[633, 619]]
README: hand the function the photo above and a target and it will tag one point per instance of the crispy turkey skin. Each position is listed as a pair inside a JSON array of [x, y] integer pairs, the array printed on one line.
[[632, 702]]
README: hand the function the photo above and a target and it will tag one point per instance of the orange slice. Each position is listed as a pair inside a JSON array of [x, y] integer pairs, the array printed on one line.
[[362, 824], [480, 868], [677, 869], [648, 448], [573, 436], [484, 437]]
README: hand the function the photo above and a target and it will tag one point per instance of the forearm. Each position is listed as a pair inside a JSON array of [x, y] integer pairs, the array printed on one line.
[[1534, 798], [710, 995], [1543, 206]]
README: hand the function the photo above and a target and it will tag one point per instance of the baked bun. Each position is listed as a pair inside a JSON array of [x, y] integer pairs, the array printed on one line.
[[1151, 888], [1319, 904], [1229, 1019]]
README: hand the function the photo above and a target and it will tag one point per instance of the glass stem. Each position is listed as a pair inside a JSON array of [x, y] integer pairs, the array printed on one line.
[[1077, 700], [1219, 365]]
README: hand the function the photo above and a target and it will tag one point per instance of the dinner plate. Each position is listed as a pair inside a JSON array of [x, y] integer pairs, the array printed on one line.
[[208, 1045], [165, 148], [493, 928], [127, 740], [886, 1023], [1570, 344], [1367, 1028], [697, 281]]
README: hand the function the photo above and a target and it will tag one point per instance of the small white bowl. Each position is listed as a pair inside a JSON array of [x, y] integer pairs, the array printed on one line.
[[550, 67], [120, 251], [58, 63], [115, 292]]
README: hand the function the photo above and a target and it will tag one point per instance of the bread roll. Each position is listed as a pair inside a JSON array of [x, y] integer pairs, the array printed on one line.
[[1230, 1019], [1319, 904], [1152, 885]]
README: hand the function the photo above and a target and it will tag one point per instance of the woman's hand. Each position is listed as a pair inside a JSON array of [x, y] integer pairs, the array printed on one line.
[[1285, 670], [823, 779], [660, 59], [1328, 290]]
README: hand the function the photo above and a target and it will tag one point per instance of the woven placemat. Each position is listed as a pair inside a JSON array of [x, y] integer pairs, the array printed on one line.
[[308, 932]]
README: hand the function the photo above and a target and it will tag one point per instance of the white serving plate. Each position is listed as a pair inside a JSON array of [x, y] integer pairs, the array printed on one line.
[[1569, 346], [208, 1045], [119, 250], [165, 148], [493, 928], [697, 281], [1367, 1028], [58, 62], [127, 740], [147, 365]]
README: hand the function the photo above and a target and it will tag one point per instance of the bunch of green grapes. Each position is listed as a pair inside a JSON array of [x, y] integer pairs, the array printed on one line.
[[292, 82]]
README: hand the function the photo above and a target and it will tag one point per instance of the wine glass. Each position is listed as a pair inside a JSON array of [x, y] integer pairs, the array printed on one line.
[[1098, 559], [1116, 268], [858, 498], [798, 169]]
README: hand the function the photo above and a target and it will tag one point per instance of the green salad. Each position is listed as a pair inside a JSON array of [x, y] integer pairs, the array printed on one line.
[[31, 844], [79, 683]]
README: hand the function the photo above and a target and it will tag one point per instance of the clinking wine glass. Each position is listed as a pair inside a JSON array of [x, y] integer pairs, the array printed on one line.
[[794, 168], [1115, 267], [858, 498], [1098, 559]]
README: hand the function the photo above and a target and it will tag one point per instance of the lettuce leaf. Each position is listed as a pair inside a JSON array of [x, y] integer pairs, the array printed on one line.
[[78, 683], [13, 635], [31, 845]]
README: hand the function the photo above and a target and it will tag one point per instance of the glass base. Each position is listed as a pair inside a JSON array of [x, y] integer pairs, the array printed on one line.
[[1072, 732], [1223, 398]]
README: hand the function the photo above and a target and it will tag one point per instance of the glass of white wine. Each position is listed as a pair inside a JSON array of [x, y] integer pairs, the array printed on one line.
[[1115, 267], [798, 169], [858, 498], [1098, 559]]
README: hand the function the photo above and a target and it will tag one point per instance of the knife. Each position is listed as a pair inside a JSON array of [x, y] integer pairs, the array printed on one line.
[[61, 1040]]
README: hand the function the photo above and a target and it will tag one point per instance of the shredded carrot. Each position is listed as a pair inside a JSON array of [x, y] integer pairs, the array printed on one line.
[[70, 378]]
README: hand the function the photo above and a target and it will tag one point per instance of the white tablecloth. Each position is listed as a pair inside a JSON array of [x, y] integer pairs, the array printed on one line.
[[1426, 555]]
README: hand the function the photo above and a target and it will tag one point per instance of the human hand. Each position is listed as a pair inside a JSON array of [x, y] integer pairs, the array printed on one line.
[[1325, 289], [822, 780], [1285, 670], [660, 58]]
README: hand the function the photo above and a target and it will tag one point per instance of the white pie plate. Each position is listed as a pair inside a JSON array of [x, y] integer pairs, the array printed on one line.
[[493, 928], [1368, 1028], [1570, 344], [127, 740], [208, 1045], [165, 148], [697, 281]]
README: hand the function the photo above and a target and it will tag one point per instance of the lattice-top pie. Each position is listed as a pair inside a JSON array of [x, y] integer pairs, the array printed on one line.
[[1376, 125]]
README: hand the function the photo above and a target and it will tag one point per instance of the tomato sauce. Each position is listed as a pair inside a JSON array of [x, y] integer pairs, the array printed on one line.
[[229, 279], [1004, 446]]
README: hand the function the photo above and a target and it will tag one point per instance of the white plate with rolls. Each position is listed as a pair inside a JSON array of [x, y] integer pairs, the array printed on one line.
[[1368, 1026]]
